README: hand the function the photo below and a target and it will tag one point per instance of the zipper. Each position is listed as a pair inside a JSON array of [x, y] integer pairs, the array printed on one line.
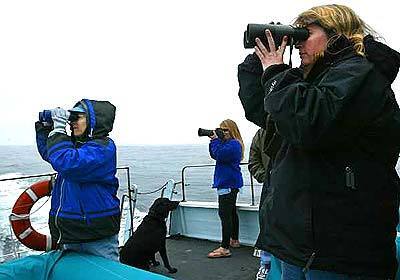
[[58, 212], [314, 249], [83, 212], [312, 257], [309, 263], [350, 182]]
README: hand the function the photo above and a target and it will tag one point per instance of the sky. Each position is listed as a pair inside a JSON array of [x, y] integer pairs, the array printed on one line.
[[169, 67]]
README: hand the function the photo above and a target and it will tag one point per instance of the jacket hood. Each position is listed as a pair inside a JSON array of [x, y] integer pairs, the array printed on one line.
[[100, 117], [386, 60]]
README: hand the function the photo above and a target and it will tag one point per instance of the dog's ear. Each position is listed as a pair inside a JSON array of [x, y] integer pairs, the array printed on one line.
[[161, 207], [173, 205]]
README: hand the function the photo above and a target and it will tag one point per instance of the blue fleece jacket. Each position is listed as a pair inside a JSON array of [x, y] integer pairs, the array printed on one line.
[[84, 202], [228, 155]]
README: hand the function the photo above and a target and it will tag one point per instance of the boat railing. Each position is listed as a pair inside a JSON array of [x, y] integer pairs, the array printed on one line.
[[187, 167], [28, 177], [130, 196]]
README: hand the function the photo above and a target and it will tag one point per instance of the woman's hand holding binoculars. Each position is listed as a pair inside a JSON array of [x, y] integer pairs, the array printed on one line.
[[270, 56]]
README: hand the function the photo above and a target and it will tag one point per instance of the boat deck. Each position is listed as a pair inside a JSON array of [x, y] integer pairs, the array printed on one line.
[[189, 256]]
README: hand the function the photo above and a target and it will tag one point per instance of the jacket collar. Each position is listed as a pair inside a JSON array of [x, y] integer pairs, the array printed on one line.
[[341, 48]]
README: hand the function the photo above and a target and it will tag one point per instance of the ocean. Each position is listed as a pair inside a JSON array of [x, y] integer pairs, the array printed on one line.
[[150, 168]]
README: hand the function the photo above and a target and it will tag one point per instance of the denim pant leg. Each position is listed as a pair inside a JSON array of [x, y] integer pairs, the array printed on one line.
[[320, 275], [292, 272], [106, 247], [265, 258]]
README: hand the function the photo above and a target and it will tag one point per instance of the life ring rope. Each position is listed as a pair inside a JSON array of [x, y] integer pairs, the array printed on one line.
[[20, 217], [16, 217]]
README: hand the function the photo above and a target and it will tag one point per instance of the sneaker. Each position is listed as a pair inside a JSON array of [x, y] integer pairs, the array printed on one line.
[[262, 273]]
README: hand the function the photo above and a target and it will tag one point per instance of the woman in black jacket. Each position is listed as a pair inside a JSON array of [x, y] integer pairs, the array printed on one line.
[[332, 206]]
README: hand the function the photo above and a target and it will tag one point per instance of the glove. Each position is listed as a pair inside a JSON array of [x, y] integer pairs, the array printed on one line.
[[42, 129], [60, 118]]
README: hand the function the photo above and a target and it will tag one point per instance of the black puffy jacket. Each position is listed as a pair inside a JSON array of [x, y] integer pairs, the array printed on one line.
[[334, 195]]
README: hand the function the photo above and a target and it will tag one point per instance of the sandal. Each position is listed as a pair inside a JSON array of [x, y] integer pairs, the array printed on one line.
[[234, 243], [219, 253]]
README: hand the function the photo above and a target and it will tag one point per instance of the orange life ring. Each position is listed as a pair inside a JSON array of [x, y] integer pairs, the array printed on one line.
[[20, 219]]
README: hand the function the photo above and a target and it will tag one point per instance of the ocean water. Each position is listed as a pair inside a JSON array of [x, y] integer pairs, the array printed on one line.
[[150, 168]]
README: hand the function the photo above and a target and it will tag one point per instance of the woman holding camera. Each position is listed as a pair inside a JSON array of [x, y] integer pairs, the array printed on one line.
[[227, 148], [332, 206]]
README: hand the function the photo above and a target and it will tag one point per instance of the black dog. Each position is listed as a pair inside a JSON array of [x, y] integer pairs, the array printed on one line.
[[149, 238]]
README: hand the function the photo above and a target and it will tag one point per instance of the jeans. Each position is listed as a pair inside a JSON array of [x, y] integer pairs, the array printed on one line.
[[106, 247], [229, 217], [265, 258], [292, 272]]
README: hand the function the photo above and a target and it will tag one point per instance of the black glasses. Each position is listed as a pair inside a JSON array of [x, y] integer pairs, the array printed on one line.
[[225, 129]]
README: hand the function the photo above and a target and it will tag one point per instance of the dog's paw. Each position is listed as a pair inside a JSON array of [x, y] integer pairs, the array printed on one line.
[[172, 270]]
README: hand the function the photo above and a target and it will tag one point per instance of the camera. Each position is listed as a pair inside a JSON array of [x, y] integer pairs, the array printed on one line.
[[209, 132], [205, 132], [278, 31]]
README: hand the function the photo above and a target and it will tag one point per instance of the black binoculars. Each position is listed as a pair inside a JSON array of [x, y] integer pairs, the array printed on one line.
[[278, 31]]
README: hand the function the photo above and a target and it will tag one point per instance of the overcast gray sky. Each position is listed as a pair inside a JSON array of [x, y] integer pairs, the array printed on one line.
[[168, 66]]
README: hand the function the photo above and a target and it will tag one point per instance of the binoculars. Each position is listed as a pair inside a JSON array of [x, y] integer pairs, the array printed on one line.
[[46, 119], [278, 31]]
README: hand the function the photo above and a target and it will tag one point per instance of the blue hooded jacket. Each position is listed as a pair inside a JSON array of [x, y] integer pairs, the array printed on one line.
[[84, 202], [228, 155]]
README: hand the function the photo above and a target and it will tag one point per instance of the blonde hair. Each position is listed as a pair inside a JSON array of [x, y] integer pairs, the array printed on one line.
[[339, 20], [234, 131]]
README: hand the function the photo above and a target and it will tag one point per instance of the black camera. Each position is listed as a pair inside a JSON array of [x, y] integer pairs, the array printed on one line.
[[205, 132], [209, 132], [278, 31]]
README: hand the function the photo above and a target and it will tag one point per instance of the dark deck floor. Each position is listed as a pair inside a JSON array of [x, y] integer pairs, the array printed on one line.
[[189, 256]]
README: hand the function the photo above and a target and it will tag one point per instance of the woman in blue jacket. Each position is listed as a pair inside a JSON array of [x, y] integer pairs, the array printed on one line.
[[226, 147], [84, 214]]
